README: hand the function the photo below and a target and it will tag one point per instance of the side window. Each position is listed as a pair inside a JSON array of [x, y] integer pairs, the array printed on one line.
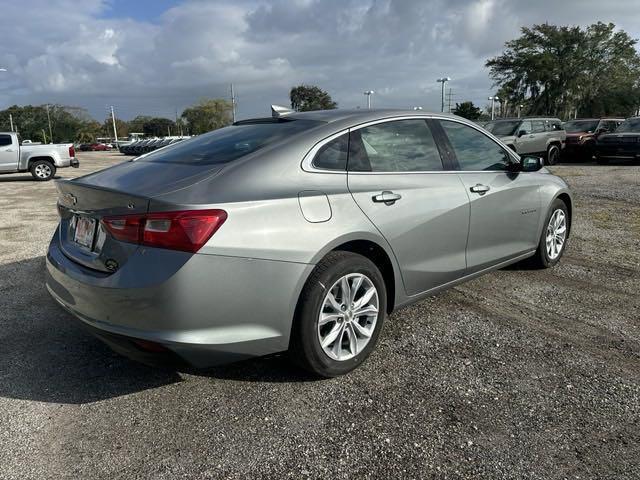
[[537, 126], [474, 150], [526, 126], [5, 140], [398, 146], [333, 155]]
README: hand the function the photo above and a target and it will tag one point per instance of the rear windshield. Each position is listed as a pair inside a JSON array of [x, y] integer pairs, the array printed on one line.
[[503, 128], [229, 143], [577, 126], [631, 125]]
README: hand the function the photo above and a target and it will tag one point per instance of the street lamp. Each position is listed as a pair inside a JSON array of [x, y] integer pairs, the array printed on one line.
[[520, 107], [368, 93], [493, 99], [443, 80]]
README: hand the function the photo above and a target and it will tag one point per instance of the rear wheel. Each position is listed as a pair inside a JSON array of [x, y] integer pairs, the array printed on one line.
[[553, 154], [554, 236], [42, 170], [339, 315]]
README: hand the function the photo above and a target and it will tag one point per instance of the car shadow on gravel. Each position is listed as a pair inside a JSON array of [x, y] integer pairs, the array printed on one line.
[[23, 178], [46, 357]]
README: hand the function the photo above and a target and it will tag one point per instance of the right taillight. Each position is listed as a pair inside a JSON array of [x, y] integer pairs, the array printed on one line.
[[186, 230]]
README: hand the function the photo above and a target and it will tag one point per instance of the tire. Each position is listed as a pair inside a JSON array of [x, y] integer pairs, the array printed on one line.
[[553, 154], [42, 170], [543, 258], [307, 333]]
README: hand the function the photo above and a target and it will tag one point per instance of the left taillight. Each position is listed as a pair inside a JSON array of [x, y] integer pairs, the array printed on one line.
[[72, 152], [186, 230]]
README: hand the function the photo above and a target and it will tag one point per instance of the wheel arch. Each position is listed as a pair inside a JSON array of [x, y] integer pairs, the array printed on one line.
[[34, 159], [566, 198]]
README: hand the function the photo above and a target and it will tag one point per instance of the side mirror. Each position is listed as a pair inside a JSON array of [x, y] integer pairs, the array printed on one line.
[[522, 133], [531, 163]]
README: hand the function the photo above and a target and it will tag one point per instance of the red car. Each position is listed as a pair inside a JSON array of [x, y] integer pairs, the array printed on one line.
[[583, 133], [99, 147]]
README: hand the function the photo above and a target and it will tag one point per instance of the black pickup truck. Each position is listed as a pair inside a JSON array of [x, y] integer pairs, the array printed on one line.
[[623, 144]]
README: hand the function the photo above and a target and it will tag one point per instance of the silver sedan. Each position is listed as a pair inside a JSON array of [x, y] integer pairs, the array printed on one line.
[[299, 232]]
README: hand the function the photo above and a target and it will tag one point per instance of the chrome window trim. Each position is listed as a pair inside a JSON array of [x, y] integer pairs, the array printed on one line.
[[307, 161]]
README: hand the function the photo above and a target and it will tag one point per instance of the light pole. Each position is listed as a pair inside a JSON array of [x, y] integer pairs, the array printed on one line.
[[493, 99], [520, 110], [443, 80], [368, 93]]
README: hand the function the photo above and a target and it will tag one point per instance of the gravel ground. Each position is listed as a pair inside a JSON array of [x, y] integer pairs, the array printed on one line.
[[518, 374]]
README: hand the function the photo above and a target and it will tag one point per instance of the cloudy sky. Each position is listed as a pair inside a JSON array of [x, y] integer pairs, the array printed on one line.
[[158, 56]]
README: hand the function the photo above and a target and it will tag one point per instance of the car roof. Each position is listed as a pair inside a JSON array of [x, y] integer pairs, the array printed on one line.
[[354, 115], [594, 119], [511, 119]]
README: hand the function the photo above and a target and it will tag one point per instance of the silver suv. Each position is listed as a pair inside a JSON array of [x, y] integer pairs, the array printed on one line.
[[531, 135]]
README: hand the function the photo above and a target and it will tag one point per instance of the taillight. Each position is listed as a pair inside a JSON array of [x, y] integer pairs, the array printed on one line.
[[186, 230], [72, 152]]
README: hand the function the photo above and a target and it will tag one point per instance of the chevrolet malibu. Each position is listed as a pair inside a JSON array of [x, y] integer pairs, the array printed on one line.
[[298, 232]]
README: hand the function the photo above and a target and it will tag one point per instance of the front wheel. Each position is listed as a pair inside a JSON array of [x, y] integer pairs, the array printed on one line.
[[553, 154], [42, 170], [554, 236], [339, 316]]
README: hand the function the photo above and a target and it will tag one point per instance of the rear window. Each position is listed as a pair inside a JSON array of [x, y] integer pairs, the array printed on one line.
[[230, 143]]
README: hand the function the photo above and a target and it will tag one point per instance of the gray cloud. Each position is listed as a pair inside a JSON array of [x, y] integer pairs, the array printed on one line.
[[65, 51]]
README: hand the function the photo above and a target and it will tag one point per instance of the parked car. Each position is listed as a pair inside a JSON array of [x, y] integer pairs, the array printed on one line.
[[99, 147], [531, 135], [623, 144], [299, 232], [583, 133], [41, 160]]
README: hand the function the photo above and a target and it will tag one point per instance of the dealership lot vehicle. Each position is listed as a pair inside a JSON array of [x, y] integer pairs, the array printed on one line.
[[583, 133], [518, 374], [531, 135], [41, 160], [623, 144], [270, 212]]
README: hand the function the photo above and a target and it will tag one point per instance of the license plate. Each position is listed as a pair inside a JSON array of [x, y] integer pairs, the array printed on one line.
[[85, 229]]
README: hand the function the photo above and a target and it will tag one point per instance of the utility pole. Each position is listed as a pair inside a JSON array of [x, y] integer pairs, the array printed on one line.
[[115, 132], [49, 120], [442, 80], [520, 110], [493, 106], [44, 136], [233, 105], [11, 121], [368, 93]]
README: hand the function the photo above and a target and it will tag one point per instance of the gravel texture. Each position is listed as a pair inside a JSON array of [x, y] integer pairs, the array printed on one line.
[[520, 374]]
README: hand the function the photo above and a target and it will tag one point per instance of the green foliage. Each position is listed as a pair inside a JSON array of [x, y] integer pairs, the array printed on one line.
[[159, 127], [467, 110], [207, 115], [305, 98], [122, 127], [554, 70]]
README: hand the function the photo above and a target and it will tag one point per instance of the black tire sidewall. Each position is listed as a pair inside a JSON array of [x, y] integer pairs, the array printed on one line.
[[542, 247], [312, 298], [553, 159], [32, 169]]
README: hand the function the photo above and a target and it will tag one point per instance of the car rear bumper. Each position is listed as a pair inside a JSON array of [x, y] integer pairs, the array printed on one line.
[[210, 310]]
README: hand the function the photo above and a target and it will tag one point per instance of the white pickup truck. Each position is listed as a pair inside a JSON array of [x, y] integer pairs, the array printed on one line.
[[41, 160]]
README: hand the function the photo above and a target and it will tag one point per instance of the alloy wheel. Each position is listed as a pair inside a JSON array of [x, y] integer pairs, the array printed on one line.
[[556, 234], [43, 170], [348, 316]]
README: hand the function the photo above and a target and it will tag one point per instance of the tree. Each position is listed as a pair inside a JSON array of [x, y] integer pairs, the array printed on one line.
[[467, 110], [158, 127], [137, 124], [207, 115], [122, 127], [555, 70], [305, 98]]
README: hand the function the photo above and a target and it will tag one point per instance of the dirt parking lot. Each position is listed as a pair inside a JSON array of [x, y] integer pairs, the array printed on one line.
[[518, 374]]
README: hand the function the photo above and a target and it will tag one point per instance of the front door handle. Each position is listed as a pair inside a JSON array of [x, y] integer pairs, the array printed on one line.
[[479, 188], [386, 197]]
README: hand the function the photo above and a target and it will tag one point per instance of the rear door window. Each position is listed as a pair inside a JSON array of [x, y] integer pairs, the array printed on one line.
[[5, 140], [397, 146], [537, 126], [230, 143]]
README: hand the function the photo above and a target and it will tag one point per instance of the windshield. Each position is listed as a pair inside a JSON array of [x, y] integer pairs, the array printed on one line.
[[230, 143], [631, 125], [503, 128], [577, 126]]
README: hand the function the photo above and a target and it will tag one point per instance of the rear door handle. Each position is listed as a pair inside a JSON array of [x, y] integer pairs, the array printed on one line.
[[479, 188], [386, 197]]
